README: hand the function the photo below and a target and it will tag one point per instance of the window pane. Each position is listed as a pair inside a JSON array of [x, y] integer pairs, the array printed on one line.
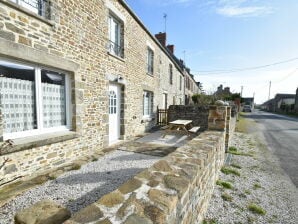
[[53, 98], [150, 57], [115, 45], [32, 5], [17, 97], [147, 103]]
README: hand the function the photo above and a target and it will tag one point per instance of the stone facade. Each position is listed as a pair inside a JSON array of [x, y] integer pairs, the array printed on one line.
[[191, 87], [75, 40]]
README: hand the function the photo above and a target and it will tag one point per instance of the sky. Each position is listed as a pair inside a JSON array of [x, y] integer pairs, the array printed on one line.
[[242, 44]]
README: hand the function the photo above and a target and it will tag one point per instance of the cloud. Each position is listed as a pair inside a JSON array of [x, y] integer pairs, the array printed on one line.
[[234, 11], [241, 8], [283, 80], [169, 2]]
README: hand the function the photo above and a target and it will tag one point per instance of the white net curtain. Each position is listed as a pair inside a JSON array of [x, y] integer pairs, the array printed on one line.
[[18, 104], [53, 104]]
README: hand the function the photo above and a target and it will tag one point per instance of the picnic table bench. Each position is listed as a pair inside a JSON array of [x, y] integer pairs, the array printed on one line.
[[179, 126]]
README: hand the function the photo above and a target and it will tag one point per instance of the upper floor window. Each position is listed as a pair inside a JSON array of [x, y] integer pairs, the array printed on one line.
[[171, 73], [180, 83], [33, 99], [40, 7], [150, 60], [115, 37], [187, 82]]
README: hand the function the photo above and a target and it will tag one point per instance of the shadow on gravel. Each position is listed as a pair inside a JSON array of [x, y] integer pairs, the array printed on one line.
[[282, 130], [108, 181], [265, 116], [141, 157]]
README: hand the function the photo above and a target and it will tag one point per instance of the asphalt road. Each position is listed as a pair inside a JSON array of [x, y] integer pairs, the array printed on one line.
[[281, 135]]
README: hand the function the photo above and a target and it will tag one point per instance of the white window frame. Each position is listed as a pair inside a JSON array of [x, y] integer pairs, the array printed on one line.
[[150, 103], [29, 7], [180, 82], [117, 41], [171, 74], [38, 94], [150, 59]]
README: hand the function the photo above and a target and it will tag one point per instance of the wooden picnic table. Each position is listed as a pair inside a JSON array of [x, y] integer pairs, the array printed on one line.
[[178, 126]]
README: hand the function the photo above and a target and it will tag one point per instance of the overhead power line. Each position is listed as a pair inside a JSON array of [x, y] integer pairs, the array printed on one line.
[[222, 71], [278, 81]]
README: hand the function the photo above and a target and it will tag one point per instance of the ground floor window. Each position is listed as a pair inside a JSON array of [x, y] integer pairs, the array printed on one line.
[[147, 103], [33, 99]]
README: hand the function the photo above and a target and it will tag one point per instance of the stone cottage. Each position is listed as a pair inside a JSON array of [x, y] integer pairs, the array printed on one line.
[[76, 76]]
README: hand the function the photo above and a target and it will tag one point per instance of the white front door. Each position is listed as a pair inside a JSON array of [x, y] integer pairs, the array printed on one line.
[[114, 113]]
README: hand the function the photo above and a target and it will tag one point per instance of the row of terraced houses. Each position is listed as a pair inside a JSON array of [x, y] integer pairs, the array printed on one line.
[[77, 76]]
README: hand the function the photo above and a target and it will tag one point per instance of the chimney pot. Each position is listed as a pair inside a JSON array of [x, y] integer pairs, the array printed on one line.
[[171, 48], [162, 38]]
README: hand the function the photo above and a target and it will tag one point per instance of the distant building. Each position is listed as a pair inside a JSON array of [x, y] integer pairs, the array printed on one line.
[[281, 103], [248, 101], [284, 102], [268, 105], [223, 91], [296, 102]]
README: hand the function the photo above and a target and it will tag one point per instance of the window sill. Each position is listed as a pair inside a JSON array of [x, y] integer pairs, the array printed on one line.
[[21, 144], [115, 56], [26, 11], [150, 74], [147, 119]]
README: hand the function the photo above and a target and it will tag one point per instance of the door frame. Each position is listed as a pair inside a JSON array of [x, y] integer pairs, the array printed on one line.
[[118, 109]]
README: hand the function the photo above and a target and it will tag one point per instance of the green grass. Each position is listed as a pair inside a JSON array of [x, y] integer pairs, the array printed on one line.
[[224, 184], [256, 209], [226, 197], [257, 186], [52, 177], [236, 166], [94, 159], [227, 170], [76, 167], [241, 153], [209, 221], [233, 149], [247, 192]]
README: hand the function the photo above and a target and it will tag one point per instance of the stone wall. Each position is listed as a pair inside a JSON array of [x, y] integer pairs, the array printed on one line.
[[75, 40], [296, 102], [174, 190], [198, 114]]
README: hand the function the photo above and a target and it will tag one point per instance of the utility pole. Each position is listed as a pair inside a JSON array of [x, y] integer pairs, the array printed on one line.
[[184, 56], [165, 18], [241, 91], [269, 90]]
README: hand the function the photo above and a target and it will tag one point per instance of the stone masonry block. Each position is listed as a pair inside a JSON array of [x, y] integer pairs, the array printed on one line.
[[43, 212]]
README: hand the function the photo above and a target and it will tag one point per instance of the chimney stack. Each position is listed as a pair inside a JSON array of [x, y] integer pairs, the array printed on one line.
[[162, 38], [171, 48]]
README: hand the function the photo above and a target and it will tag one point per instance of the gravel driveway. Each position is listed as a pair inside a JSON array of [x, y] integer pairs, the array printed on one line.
[[78, 188], [262, 193]]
